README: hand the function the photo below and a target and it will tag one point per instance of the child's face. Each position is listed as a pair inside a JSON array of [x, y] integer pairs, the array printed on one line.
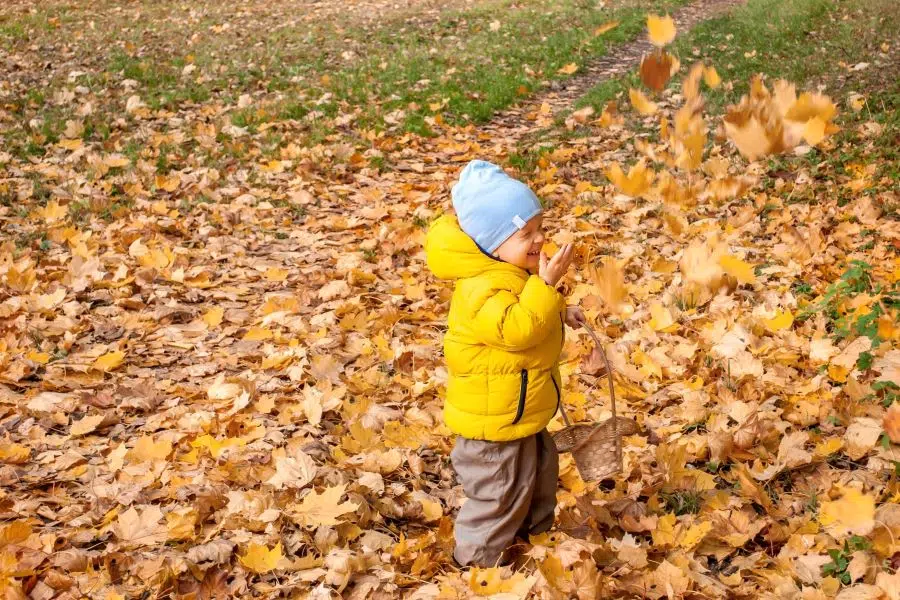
[[523, 248]]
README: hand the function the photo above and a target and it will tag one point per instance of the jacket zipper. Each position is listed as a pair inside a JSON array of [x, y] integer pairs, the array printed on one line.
[[556, 387], [523, 391], [523, 387], [562, 324]]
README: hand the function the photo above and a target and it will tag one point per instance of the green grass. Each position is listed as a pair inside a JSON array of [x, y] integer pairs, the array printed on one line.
[[800, 44], [459, 65], [728, 42], [749, 41], [799, 40], [682, 502]]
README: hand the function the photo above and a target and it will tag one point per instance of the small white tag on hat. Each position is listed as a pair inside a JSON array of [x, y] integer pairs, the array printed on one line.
[[518, 222]]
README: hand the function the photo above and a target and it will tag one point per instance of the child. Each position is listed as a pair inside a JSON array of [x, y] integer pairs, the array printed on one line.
[[504, 338]]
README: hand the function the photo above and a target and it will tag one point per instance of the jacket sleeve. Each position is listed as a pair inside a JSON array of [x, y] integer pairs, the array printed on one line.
[[516, 323]]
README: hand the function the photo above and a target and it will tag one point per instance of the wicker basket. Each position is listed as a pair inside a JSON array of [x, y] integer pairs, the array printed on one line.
[[596, 448]]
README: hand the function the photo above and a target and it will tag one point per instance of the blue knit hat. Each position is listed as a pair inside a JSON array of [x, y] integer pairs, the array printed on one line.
[[491, 205]]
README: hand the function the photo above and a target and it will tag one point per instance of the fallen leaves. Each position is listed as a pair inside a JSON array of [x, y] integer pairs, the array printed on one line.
[[109, 361], [11, 453], [294, 471], [853, 513], [85, 425], [141, 527], [223, 360], [322, 509], [861, 437], [891, 423], [261, 559]]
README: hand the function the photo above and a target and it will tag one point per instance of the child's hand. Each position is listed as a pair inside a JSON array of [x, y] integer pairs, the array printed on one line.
[[551, 270], [575, 317]]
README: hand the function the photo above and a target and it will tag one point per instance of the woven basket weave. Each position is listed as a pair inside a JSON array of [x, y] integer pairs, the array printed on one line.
[[596, 448]]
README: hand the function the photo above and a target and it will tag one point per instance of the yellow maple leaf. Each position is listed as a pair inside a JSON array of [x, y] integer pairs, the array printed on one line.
[[116, 161], [809, 105], [14, 533], [42, 358], [485, 582], [490, 581], [52, 211], [641, 103], [181, 522], [213, 317], [141, 528], [814, 131], [661, 318], [853, 513], [694, 535], [255, 334], [636, 183], [260, 559], [273, 166], [606, 27], [85, 425], [664, 534], [551, 568], [711, 77], [647, 365], [568, 69], [14, 453], [276, 274], [660, 30], [609, 283], [783, 319], [690, 89], [749, 137], [109, 361], [146, 449], [838, 373], [214, 446], [323, 509], [166, 183], [828, 447], [737, 268], [71, 143]]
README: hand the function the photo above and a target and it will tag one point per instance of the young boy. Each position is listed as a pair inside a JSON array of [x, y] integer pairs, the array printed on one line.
[[504, 338]]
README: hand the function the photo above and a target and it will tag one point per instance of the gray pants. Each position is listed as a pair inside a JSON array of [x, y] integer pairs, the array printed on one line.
[[510, 489]]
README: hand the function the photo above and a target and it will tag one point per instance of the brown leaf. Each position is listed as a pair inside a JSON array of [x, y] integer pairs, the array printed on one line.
[[656, 69]]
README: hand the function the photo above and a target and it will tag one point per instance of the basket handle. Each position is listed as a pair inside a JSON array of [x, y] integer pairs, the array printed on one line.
[[609, 373], [612, 391]]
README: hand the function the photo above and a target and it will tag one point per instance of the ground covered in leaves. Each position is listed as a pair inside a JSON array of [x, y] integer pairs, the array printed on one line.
[[220, 366]]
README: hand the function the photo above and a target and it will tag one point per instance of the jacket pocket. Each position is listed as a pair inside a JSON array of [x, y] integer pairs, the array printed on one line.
[[523, 392]]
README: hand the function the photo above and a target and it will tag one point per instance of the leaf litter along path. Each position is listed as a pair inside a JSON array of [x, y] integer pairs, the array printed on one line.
[[242, 396]]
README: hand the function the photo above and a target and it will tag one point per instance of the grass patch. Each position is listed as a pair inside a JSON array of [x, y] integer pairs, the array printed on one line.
[[793, 39], [464, 64]]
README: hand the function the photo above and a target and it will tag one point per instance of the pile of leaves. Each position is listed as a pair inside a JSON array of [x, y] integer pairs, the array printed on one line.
[[227, 381]]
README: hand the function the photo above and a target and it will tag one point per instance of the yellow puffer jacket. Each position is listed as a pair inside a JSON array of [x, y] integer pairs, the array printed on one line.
[[504, 338]]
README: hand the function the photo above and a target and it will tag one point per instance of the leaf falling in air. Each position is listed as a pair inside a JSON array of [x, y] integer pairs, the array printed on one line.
[[640, 102], [660, 30]]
